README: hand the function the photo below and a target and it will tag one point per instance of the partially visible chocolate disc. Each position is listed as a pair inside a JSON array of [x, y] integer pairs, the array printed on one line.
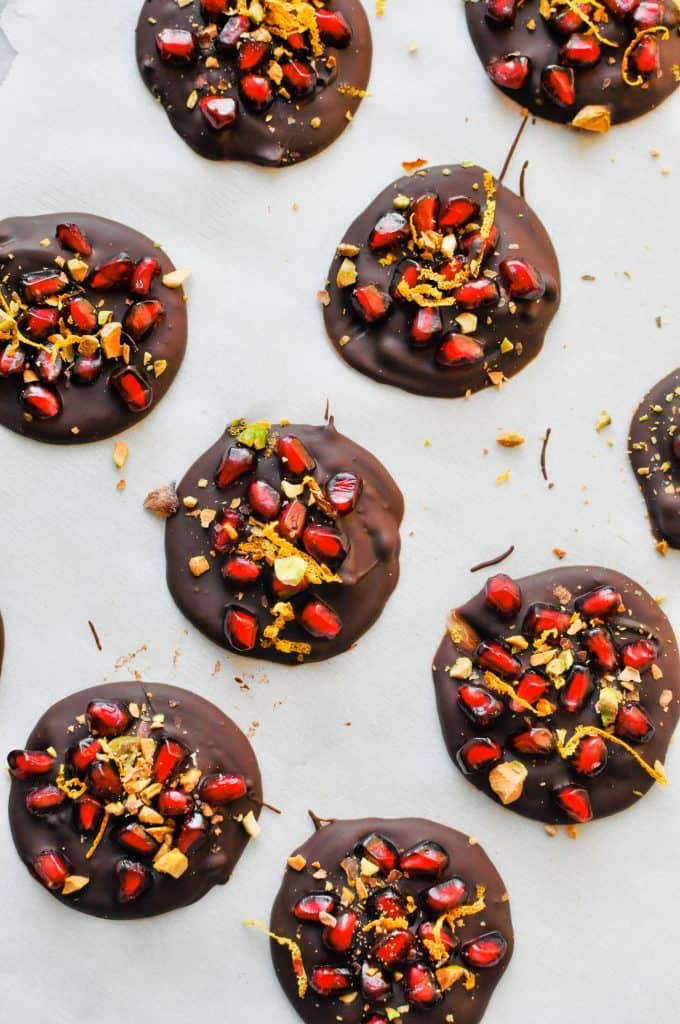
[[654, 448], [133, 799]]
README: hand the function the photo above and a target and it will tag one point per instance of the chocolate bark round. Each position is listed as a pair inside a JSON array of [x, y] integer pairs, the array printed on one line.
[[654, 448]]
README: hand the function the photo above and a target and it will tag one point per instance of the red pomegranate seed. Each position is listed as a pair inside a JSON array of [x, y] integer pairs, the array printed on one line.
[[421, 986], [174, 802], [534, 742], [388, 902], [176, 45], [295, 459], [407, 271], [641, 655], [141, 318], [86, 369], [72, 237], [559, 85], [457, 211], [81, 755], [240, 628], [495, 656], [522, 279], [264, 500], [222, 788], [133, 880], [193, 834], [575, 803], [599, 603], [590, 757], [136, 839], [392, 229], [545, 618], [501, 12], [87, 815], [393, 948], [645, 56], [44, 799], [236, 462], [473, 246], [478, 704], [114, 273], [599, 643], [474, 294], [241, 571], [649, 14], [229, 37], [256, 92], [570, 21], [459, 350], [426, 859], [343, 491], [375, 986], [42, 284], [478, 755], [39, 321], [170, 754], [107, 717], [621, 8], [320, 621], [82, 314], [334, 29], [447, 895], [219, 111], [510, 71], [340, 937], [380, 850], [330, 981], [292, 520], [676, 447], [310, 907], [48, 365], [40, 401], [427, 936], [581, 51], [251, 53], [577, 689], [503, 595], [297, 41], [216, 11], [633, 723], [103, 780], [299, 78], [228, 526], [531, 687], [485, 951], [425, 212], [51, 868], [144, 272], [324, 543], [12, 360], [426, 325], [371, 303]]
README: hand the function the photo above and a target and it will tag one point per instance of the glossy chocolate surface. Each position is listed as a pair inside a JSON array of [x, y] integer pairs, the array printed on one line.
[[654, 448]]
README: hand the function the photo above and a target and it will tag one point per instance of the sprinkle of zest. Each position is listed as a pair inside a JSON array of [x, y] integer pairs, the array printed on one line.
[[567, 748], [500, 686], [487, 221], [411, 166], [295, 954], [287, 19], [603, 16], [284, 613], [450, 976], [98, 838], [73, 788], [351, 90], [436, 946], [386, 924], [625, 60], [265, 542]]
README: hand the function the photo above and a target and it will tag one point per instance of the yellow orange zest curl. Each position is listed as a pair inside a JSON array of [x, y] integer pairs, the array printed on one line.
[[567, 748], [499, 686], [386, 924], [578, 9], [654, 30], [295, 953], [98, 838], [487, 221], [436, 946]]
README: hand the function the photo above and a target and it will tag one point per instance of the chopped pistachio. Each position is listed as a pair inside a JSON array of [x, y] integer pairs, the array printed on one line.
[[198, 565], [507, 781], [176, 278]]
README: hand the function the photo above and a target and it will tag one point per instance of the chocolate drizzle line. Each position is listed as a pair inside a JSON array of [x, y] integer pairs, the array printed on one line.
[[95, 634], [522, 175], [544, 448], [494, 561], [513, 148]]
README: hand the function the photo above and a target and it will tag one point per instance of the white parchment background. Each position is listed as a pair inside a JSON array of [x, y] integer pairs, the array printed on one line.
[[596, 919]]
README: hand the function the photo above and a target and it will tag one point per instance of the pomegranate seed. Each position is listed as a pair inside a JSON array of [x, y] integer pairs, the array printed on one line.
[[427, 936], [474, 294], [311, 906], [478, 755], [264, 500], [229, 37], [114, 273], [479, 705], [48, 365], [320, 621], [141, 318], [299, 78], [103, 780], [380, 850], [645, 56], [371, 303], [72, 237], [545, 618], [531, 687], [12, 360], [486, 951], [219, 111], [375, 987], [559, 85], [388, 902], [240, 628], [251, 53], [575, 803], [426, 325], [193, 834], [39, 321], [421, 986], [620, 9], [570, 21], [581, 51], [44, 799], [241, 571], [133, 388], [577, 689], [407, 271], [599, 643], [107, 717], [509, 72], [459, 350], [590, 757], [42, 284], [136, 839], [494, 655], [256, 92], [173, 802], [427, 859], [676, 447], [425, 212], [503, 595], [330, 981], [534, 742], [294, 457], [133, 880], [170, 754], [457, 211], [86, 369], [324, 543], [87, 815], [343, 491], [81, 755], [633, 723], [334, 29], [176, 45], [143, 274], [51, 868], [222, 788], [640, 654], [297, 41], [235, 463], [447, 895], [82, 314], [522, 279], [599, 603], [41, 402], [474, 247], [228, 526], [649, 14], [216, 10], [501, 12], [292, 520], [393, 948], [340, 937], [392, 229]]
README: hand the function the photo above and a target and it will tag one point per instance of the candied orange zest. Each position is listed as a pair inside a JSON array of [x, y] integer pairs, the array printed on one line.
[[654, 30], [288, 17], [98, 838], [295, 954], [284, 613], [499, 686], [568, 748], [386, 924], [487, 221], [451, 916], [73, 788], [265, 542], [574, 6]]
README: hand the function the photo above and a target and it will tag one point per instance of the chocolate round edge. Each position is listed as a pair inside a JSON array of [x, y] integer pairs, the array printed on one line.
[[623, 782], [253, 140], [221, 746], [382, 350], [655, 464], [328, 846], [92, 412], [372, 566]]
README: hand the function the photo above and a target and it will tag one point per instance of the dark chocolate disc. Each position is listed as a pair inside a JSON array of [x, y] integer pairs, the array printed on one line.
[[271, 83], [446, 284], [654, 447], [558, 693], [90, 336], [130, 800], [286, 543], [2, 642], [586, 64], [387, 914]]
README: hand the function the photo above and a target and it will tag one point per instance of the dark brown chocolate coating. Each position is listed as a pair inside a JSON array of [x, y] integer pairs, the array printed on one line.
[[94, 409], [601, 85], [623, 781], [382, 350], [219, 745], [654, 430], [370, 571], [2, 642], [267, 138], [329, 846]]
